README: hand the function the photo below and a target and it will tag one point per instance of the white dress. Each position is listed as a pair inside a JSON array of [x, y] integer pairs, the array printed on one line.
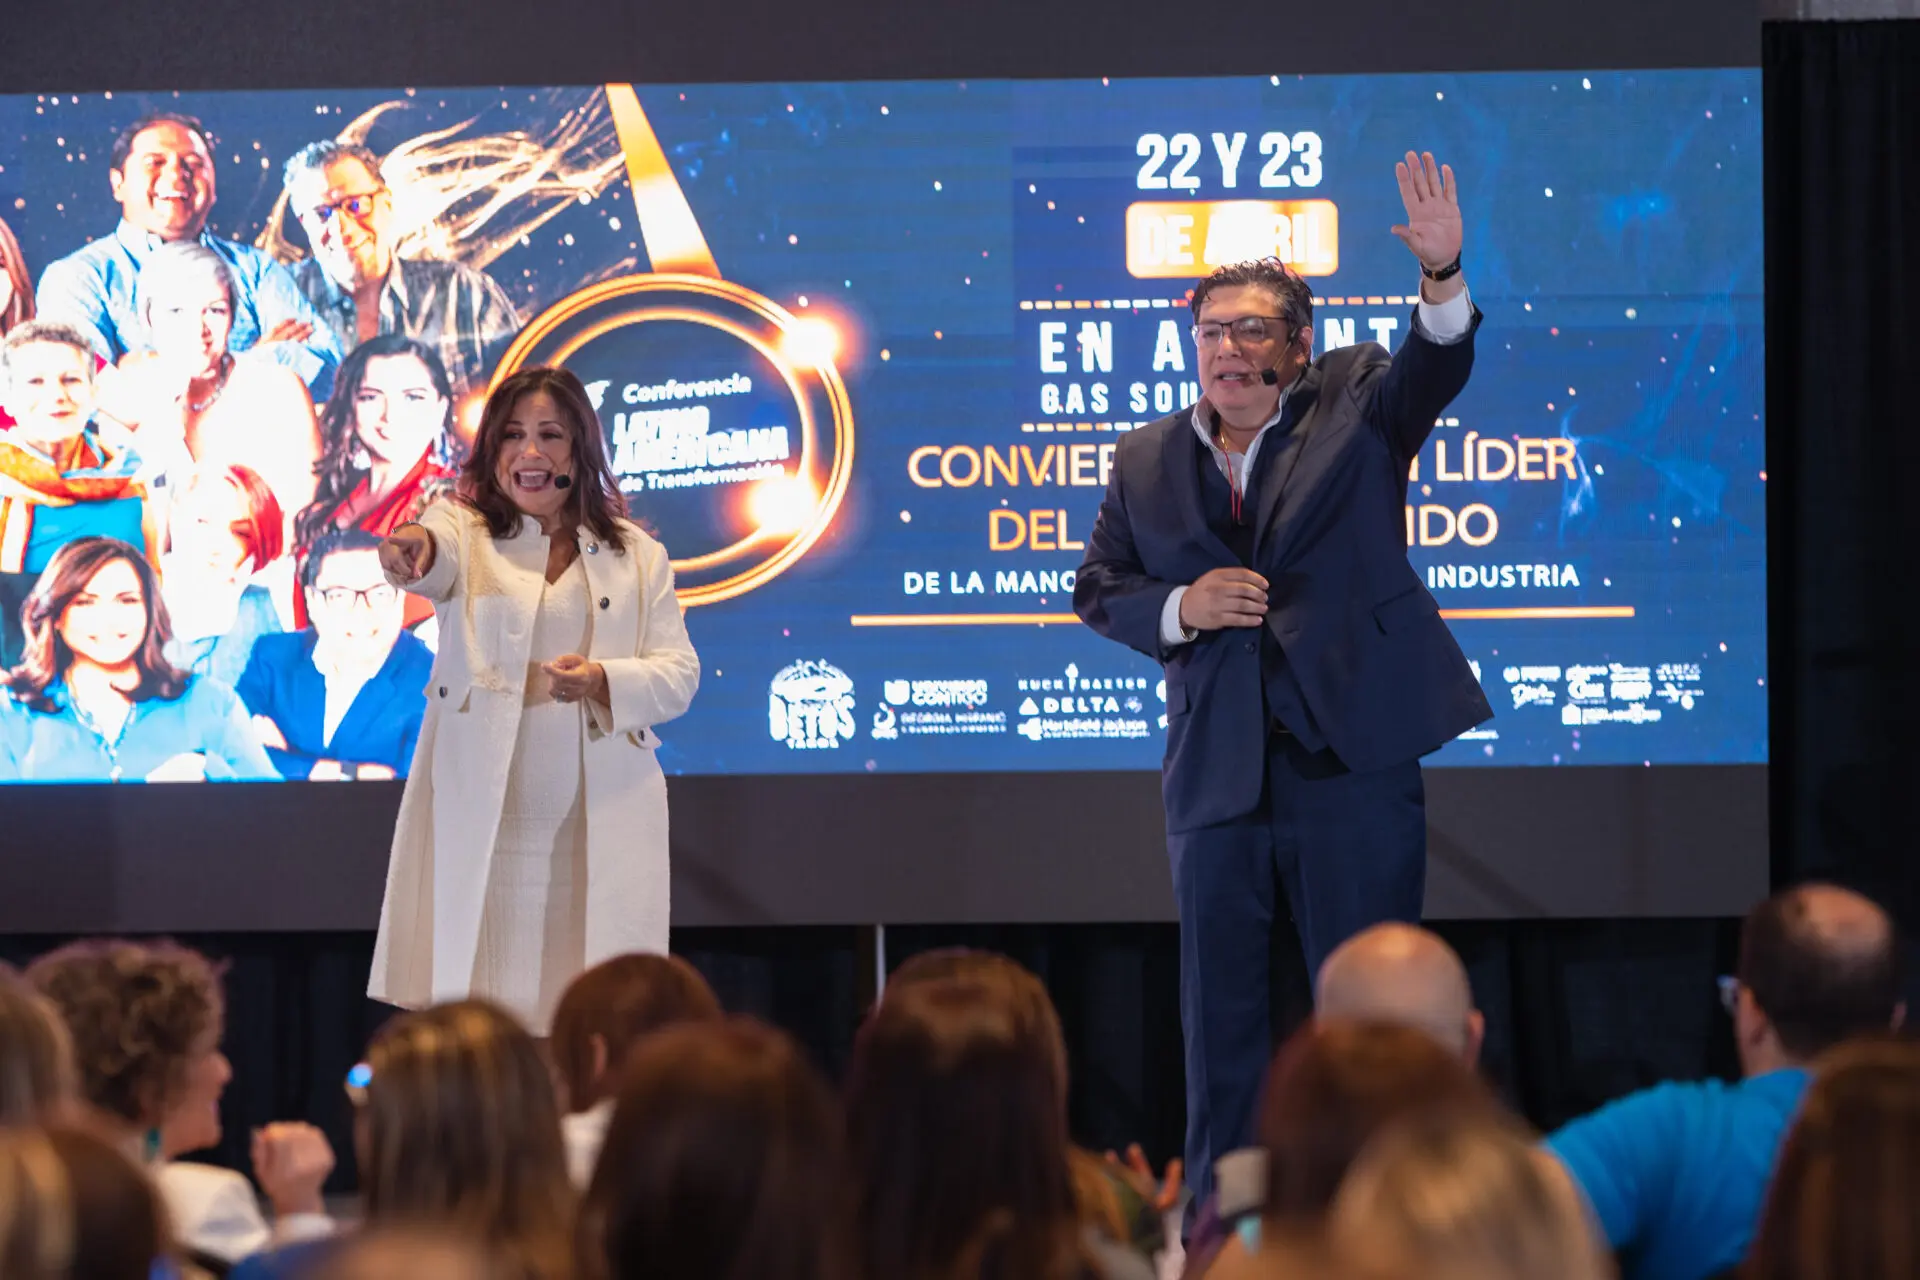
[[533, 932]]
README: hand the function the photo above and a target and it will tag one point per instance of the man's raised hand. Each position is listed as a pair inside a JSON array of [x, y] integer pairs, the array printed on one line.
[[1432, 229]]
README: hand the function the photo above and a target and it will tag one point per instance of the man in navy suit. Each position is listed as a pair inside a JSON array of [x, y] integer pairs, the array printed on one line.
[[342, 700], [1256, 545]]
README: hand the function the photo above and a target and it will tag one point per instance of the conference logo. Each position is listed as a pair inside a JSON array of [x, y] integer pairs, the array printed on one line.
[[810, 706], [726, 419]]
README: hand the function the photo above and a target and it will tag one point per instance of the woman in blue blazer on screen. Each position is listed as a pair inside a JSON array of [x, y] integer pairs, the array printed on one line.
[[342, 700], [95, 700]]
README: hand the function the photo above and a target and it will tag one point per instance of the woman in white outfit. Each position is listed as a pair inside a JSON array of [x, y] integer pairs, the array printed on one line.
[[532, 838]]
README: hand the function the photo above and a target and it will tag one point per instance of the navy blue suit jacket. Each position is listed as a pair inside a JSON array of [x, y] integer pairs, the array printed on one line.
[[381, 726], [1381, 674]]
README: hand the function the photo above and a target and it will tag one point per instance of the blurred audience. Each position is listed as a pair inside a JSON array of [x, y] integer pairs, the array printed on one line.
[[36, 1055], [603, 1015], [724, 1160], [695, 1147], [146, 1020], [1675, 1174], [1123, 1203], [1841, 1206], [1332, 1088], [959, 1144], [400, 1253], [457, 1129], [1463, 1198], [1406, 975], [36, 1210]]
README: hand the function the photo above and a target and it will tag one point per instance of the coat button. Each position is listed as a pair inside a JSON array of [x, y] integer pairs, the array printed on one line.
[[603, 602], [1251, 646]]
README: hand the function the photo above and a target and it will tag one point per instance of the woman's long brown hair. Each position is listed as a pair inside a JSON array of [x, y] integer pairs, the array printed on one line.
[[336, 475], [724, 1160], [1841, 1202], [46, 658], [594, 498], [959, 1142], [463, 1132]]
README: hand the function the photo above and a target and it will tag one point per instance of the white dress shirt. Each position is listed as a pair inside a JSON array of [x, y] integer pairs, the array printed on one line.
[[1441, 322]]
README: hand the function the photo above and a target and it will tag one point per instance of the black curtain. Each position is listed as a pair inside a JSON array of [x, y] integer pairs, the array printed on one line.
[[1577, 1011], [1843, 403]]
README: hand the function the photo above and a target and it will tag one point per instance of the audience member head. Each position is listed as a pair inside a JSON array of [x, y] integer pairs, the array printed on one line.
[[336, 192], [458, 1128], [72, 1207], [161, 172], [36, 1208], [1020, 990], [724, 1160], [16, 282], [958, 1140], [1818, 964], [119, 1225], [46, 380], [1025, 998], [606, 1011], [1463, 1198], [1403, 974], [36, 1054], [1333, 1087], [401, 1253], [146, 1020], [1841, 1202]]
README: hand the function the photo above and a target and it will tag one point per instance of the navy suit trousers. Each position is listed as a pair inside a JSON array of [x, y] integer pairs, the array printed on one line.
[[1344, 851]]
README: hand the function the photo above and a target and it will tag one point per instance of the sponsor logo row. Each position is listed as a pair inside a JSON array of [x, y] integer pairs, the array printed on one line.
[[812, 705]]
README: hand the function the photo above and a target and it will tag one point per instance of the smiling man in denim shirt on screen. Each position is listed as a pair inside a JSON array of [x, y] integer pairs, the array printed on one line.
[[1676, 1174], [162, 171]]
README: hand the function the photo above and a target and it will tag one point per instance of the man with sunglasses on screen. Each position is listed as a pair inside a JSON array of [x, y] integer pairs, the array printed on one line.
[[363, 288], [1256, 545]]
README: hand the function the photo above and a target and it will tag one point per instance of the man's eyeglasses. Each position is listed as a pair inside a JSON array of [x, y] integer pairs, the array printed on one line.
[[373, 597], [359, 207], [1245, 329], [1729, 993]]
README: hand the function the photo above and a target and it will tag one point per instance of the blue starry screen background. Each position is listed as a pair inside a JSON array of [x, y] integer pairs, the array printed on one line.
[[1613, 240]]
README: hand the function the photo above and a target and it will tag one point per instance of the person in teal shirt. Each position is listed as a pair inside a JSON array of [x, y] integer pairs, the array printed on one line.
[[94, 700], [1676, 1175]]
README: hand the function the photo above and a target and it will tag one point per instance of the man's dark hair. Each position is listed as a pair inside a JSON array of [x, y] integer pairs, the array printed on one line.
[[1816, 988], [1296, 298], [351, 538], [123, 145]]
